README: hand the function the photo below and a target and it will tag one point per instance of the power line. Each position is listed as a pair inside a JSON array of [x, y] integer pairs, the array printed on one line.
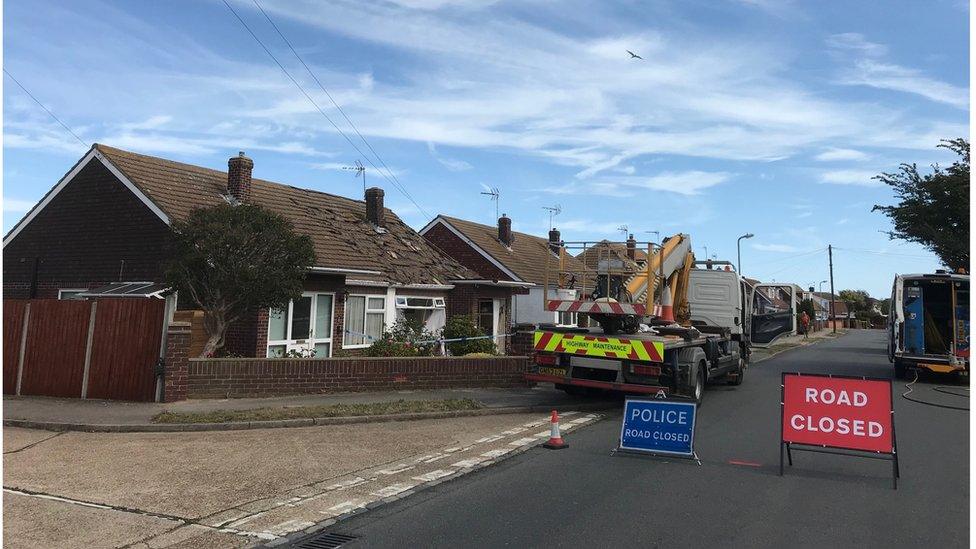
[[317, 107], [880, 252], [41, 105], [792, 256], [399, 185]]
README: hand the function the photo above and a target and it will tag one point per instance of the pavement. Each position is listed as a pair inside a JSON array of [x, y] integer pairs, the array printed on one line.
[[79, 413], [237, 488], [584, 497], [783, 344]]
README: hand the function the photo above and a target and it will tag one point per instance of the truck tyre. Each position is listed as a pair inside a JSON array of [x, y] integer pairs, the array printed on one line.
[[694, 373], [571, 389], [740, 372], [901, 370]]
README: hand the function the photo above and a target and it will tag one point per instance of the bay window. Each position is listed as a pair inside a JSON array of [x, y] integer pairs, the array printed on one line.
[[428, 312]]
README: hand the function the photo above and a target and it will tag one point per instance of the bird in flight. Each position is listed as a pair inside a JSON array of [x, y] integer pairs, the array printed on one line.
[[634, 55]]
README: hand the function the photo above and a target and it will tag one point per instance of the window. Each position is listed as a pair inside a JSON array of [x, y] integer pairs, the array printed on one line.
[[305, 326], [486, 316], [71, 293], [429, 312], [365, 319], [566, 318]]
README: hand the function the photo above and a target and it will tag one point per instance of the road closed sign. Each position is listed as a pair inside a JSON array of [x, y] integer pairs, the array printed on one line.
[[658, 426], [838, 412]]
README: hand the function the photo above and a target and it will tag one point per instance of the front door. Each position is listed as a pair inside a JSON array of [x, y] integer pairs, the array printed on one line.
[[302, 329]]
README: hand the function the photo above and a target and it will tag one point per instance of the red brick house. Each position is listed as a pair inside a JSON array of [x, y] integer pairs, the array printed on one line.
[[509, 258], [107, 220]]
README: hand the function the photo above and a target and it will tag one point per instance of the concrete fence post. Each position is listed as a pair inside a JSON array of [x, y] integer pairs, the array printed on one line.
[[176, 368]]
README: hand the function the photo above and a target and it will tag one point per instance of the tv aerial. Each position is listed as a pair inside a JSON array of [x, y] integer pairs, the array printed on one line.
[[553, 211], [495, 194], [360, 171]]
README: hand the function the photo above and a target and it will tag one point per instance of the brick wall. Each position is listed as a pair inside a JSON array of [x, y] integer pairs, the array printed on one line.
[[175, 378], [239, 378], [454, 246], [81, 238]]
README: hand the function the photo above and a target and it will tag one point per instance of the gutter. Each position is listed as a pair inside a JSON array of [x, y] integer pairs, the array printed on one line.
[[509, 283], [378, 284]]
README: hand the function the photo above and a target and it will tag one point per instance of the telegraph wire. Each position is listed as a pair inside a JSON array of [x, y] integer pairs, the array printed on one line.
[[880, 252], [47, 110], [398, 184], [317, 107]]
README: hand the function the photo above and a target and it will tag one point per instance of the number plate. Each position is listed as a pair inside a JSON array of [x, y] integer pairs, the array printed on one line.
[[561, 372]]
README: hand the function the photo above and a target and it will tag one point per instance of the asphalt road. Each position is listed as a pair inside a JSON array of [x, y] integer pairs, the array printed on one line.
[[582, 496]]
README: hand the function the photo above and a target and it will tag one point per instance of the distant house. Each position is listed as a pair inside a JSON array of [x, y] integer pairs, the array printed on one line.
[[108, 220], [508, 258]]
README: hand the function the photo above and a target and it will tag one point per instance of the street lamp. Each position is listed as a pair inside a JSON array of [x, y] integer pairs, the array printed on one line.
[[820, 285], [738, 249]]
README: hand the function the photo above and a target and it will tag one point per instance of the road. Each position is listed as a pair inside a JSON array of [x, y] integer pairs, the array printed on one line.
[[584, 497]]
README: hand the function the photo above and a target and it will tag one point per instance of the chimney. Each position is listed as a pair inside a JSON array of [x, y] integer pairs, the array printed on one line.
[[505, 230], [374, 206], [555, 243], [239, 177], [631, 248]]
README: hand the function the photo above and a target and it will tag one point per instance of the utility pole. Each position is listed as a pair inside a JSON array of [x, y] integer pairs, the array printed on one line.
[[830, 259]]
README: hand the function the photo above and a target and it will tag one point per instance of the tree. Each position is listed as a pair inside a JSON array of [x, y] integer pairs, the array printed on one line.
[[461, 326], [885, 306], [806, 306], [856, 300], [233, 259], [933, 209]]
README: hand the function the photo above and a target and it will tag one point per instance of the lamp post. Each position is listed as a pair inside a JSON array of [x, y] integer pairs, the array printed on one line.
[[738, 249], [820, 285]]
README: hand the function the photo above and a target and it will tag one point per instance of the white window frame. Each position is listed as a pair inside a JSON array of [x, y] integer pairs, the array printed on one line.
[[572, 315], [436, 304], [366, 312], [294, 344], [62, 291]]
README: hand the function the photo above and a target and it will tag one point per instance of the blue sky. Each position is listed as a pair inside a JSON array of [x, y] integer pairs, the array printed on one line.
[[762, 116]]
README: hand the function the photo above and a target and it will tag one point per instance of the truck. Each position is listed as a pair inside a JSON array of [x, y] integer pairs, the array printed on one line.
[[928, 323], [665, 324]]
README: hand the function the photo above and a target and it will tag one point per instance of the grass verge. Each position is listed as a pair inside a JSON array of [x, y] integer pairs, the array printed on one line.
[[331, 410]]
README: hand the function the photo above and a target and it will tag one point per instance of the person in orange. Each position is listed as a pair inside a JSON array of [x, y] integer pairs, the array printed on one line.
[[805, 322]]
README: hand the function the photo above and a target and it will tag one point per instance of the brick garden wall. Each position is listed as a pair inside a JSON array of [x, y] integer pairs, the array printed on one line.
[[238, 378]]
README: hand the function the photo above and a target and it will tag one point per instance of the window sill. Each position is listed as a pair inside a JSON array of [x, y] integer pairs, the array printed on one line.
[[363, 346]]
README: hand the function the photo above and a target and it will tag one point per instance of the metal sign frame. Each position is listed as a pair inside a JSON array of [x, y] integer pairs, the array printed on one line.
[[659, 453], [837, 450]]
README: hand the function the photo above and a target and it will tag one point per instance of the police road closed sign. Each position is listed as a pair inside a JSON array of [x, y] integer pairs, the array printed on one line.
[[658, 426], [838, 412]]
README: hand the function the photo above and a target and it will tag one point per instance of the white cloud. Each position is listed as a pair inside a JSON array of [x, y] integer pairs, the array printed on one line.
[[782, 248], [843, 221], [452, 164], [14, 205], [833, 154], [802, 215], [854, 41], [686, 183], [600, 228], [895, 77], [851, 177]]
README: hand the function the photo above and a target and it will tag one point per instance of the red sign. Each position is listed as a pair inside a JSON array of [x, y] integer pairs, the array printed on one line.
[[839, 412]]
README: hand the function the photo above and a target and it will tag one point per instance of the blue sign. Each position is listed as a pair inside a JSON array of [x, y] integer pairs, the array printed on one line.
[[659, 426]]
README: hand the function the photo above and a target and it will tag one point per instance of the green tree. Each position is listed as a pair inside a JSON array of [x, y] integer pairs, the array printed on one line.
[[461, 326], [885, 305], [933, 209], [806, 306], [230, 260], [856, 300]]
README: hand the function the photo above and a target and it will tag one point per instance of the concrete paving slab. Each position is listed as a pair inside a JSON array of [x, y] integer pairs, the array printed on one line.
[[31, 522]]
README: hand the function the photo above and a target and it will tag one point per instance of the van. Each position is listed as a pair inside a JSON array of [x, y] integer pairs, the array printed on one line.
[[928, 325]]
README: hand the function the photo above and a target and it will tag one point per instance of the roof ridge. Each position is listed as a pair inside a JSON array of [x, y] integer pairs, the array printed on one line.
[[493, 227], [112, 150]]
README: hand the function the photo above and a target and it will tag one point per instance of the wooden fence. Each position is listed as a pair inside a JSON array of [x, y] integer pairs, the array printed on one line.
[[104, 348]]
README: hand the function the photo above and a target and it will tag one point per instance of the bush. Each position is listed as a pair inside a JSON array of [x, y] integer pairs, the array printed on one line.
[[463, 326], [402, 340]]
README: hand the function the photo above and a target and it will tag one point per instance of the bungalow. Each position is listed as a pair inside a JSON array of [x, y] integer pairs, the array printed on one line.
[[108, 220], [507, 258]]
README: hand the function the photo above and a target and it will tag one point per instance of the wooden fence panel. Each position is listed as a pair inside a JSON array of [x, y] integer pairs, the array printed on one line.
[[125, 349], [13, 332], [54, 359]]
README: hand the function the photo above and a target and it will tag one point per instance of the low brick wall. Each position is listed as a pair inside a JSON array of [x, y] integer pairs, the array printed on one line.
[[260, 377]]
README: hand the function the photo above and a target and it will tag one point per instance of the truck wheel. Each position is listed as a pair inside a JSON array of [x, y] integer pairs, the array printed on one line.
[[693, 373], [571, 389], [901, 371], [740, 373]]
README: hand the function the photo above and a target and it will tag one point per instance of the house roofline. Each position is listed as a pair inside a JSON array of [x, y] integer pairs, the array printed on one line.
[[92, 153], [487, 282], [341, 270], [440, 219]]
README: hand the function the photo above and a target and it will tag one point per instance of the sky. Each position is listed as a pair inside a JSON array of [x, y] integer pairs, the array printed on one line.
[[744, 116]]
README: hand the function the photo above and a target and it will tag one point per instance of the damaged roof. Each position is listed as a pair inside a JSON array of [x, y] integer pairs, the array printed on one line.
[[341, 235]]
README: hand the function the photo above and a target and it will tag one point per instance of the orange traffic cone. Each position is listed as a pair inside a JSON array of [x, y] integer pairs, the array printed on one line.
[[555, 439], [667, 309]]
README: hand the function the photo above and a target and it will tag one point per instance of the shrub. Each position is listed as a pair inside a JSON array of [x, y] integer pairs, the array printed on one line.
[[464, 326], [403, 339]]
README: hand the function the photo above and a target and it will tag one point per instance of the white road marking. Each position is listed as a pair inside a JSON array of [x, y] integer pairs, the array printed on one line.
[[541, 434], [492, 454], [342, 485], [433, 475], [467, 463], [489, 439], [514, 431], [523, 441], [436, 457], [396, 469], [347, 506], [393, 489]]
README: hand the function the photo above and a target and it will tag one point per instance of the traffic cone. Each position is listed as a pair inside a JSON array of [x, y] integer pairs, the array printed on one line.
[[555, 439], [667, 309]]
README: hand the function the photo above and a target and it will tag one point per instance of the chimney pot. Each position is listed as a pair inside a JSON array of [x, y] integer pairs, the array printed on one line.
[[374, 206], [555, 243], [631, 248], [239, 177], [505, 230]]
